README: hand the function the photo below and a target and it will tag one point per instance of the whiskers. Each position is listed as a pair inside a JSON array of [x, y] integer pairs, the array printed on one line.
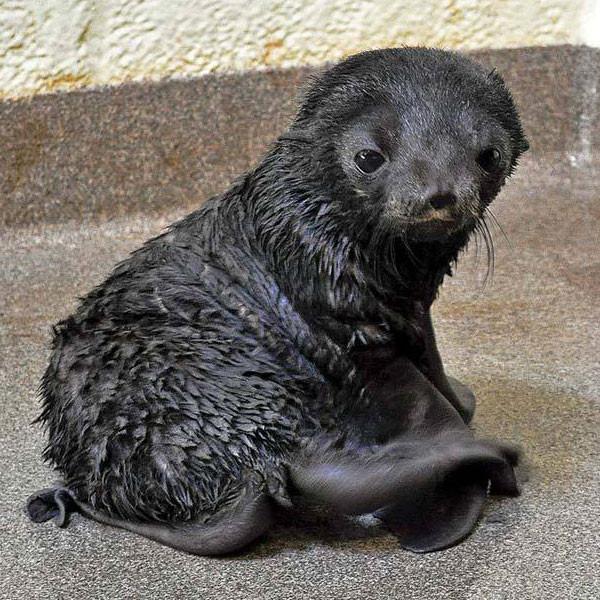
[[394, 252], [484, 237], [495, 221]]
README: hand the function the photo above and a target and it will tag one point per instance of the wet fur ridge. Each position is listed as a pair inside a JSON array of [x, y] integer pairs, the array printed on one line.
[[213, 353]]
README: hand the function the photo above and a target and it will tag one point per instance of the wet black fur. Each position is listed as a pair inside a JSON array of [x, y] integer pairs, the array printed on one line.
[[251, 336]]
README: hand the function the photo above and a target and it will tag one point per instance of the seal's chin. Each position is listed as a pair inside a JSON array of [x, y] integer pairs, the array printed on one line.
[[434, 227]]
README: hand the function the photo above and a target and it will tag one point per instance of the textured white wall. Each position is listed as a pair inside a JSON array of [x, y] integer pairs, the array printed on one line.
[[46, 45]]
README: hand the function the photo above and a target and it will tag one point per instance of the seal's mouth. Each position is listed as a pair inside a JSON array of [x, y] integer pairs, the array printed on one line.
[[435, 223], [441, 215], [428, 221]]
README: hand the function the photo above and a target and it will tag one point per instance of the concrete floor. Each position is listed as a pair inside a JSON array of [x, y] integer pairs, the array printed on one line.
[[527, 342]]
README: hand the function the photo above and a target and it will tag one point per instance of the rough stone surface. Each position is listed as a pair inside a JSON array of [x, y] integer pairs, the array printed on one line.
[[67, 44]]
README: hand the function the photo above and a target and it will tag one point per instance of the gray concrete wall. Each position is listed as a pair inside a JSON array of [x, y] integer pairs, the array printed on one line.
[[153, 146]]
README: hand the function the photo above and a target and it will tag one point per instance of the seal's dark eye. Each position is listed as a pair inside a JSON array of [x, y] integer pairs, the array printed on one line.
[[489, 159], [368, 161]]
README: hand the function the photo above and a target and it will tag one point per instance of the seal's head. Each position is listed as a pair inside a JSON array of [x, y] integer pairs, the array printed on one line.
[[417, 141]]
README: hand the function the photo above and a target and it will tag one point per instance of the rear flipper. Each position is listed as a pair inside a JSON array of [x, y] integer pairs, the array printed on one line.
[[51, 503], [443, 514], [231, 529], [429, 492]]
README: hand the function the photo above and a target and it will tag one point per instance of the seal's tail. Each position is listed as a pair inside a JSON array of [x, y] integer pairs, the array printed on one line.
[[238, 525]]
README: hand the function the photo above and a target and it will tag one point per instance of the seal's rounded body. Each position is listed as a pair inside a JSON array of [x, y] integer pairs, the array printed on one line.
[[277, 342], [179, 375]]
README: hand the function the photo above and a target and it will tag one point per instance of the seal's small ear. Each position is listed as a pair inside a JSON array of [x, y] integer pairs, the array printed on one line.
[[506, 112], [332, 88], [311, 92], [307, 100], [524, 145], [519, 142]]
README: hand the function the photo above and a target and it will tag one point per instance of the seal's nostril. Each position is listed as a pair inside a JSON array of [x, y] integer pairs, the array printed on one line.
[[442, 200]]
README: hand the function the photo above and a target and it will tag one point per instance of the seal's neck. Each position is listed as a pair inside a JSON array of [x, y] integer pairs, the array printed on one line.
[[319, 263], [413, 271]]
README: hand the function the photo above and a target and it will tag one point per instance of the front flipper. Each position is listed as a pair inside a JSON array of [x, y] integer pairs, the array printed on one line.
[[437, 520], [408, 456], [457, 393], [444, 513], [463, 398], [429, 491]]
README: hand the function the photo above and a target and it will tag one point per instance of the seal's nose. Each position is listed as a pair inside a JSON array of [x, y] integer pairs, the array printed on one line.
[[442, 200]]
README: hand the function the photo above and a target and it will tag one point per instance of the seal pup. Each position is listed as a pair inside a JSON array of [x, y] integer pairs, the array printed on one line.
[[276, 345]]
